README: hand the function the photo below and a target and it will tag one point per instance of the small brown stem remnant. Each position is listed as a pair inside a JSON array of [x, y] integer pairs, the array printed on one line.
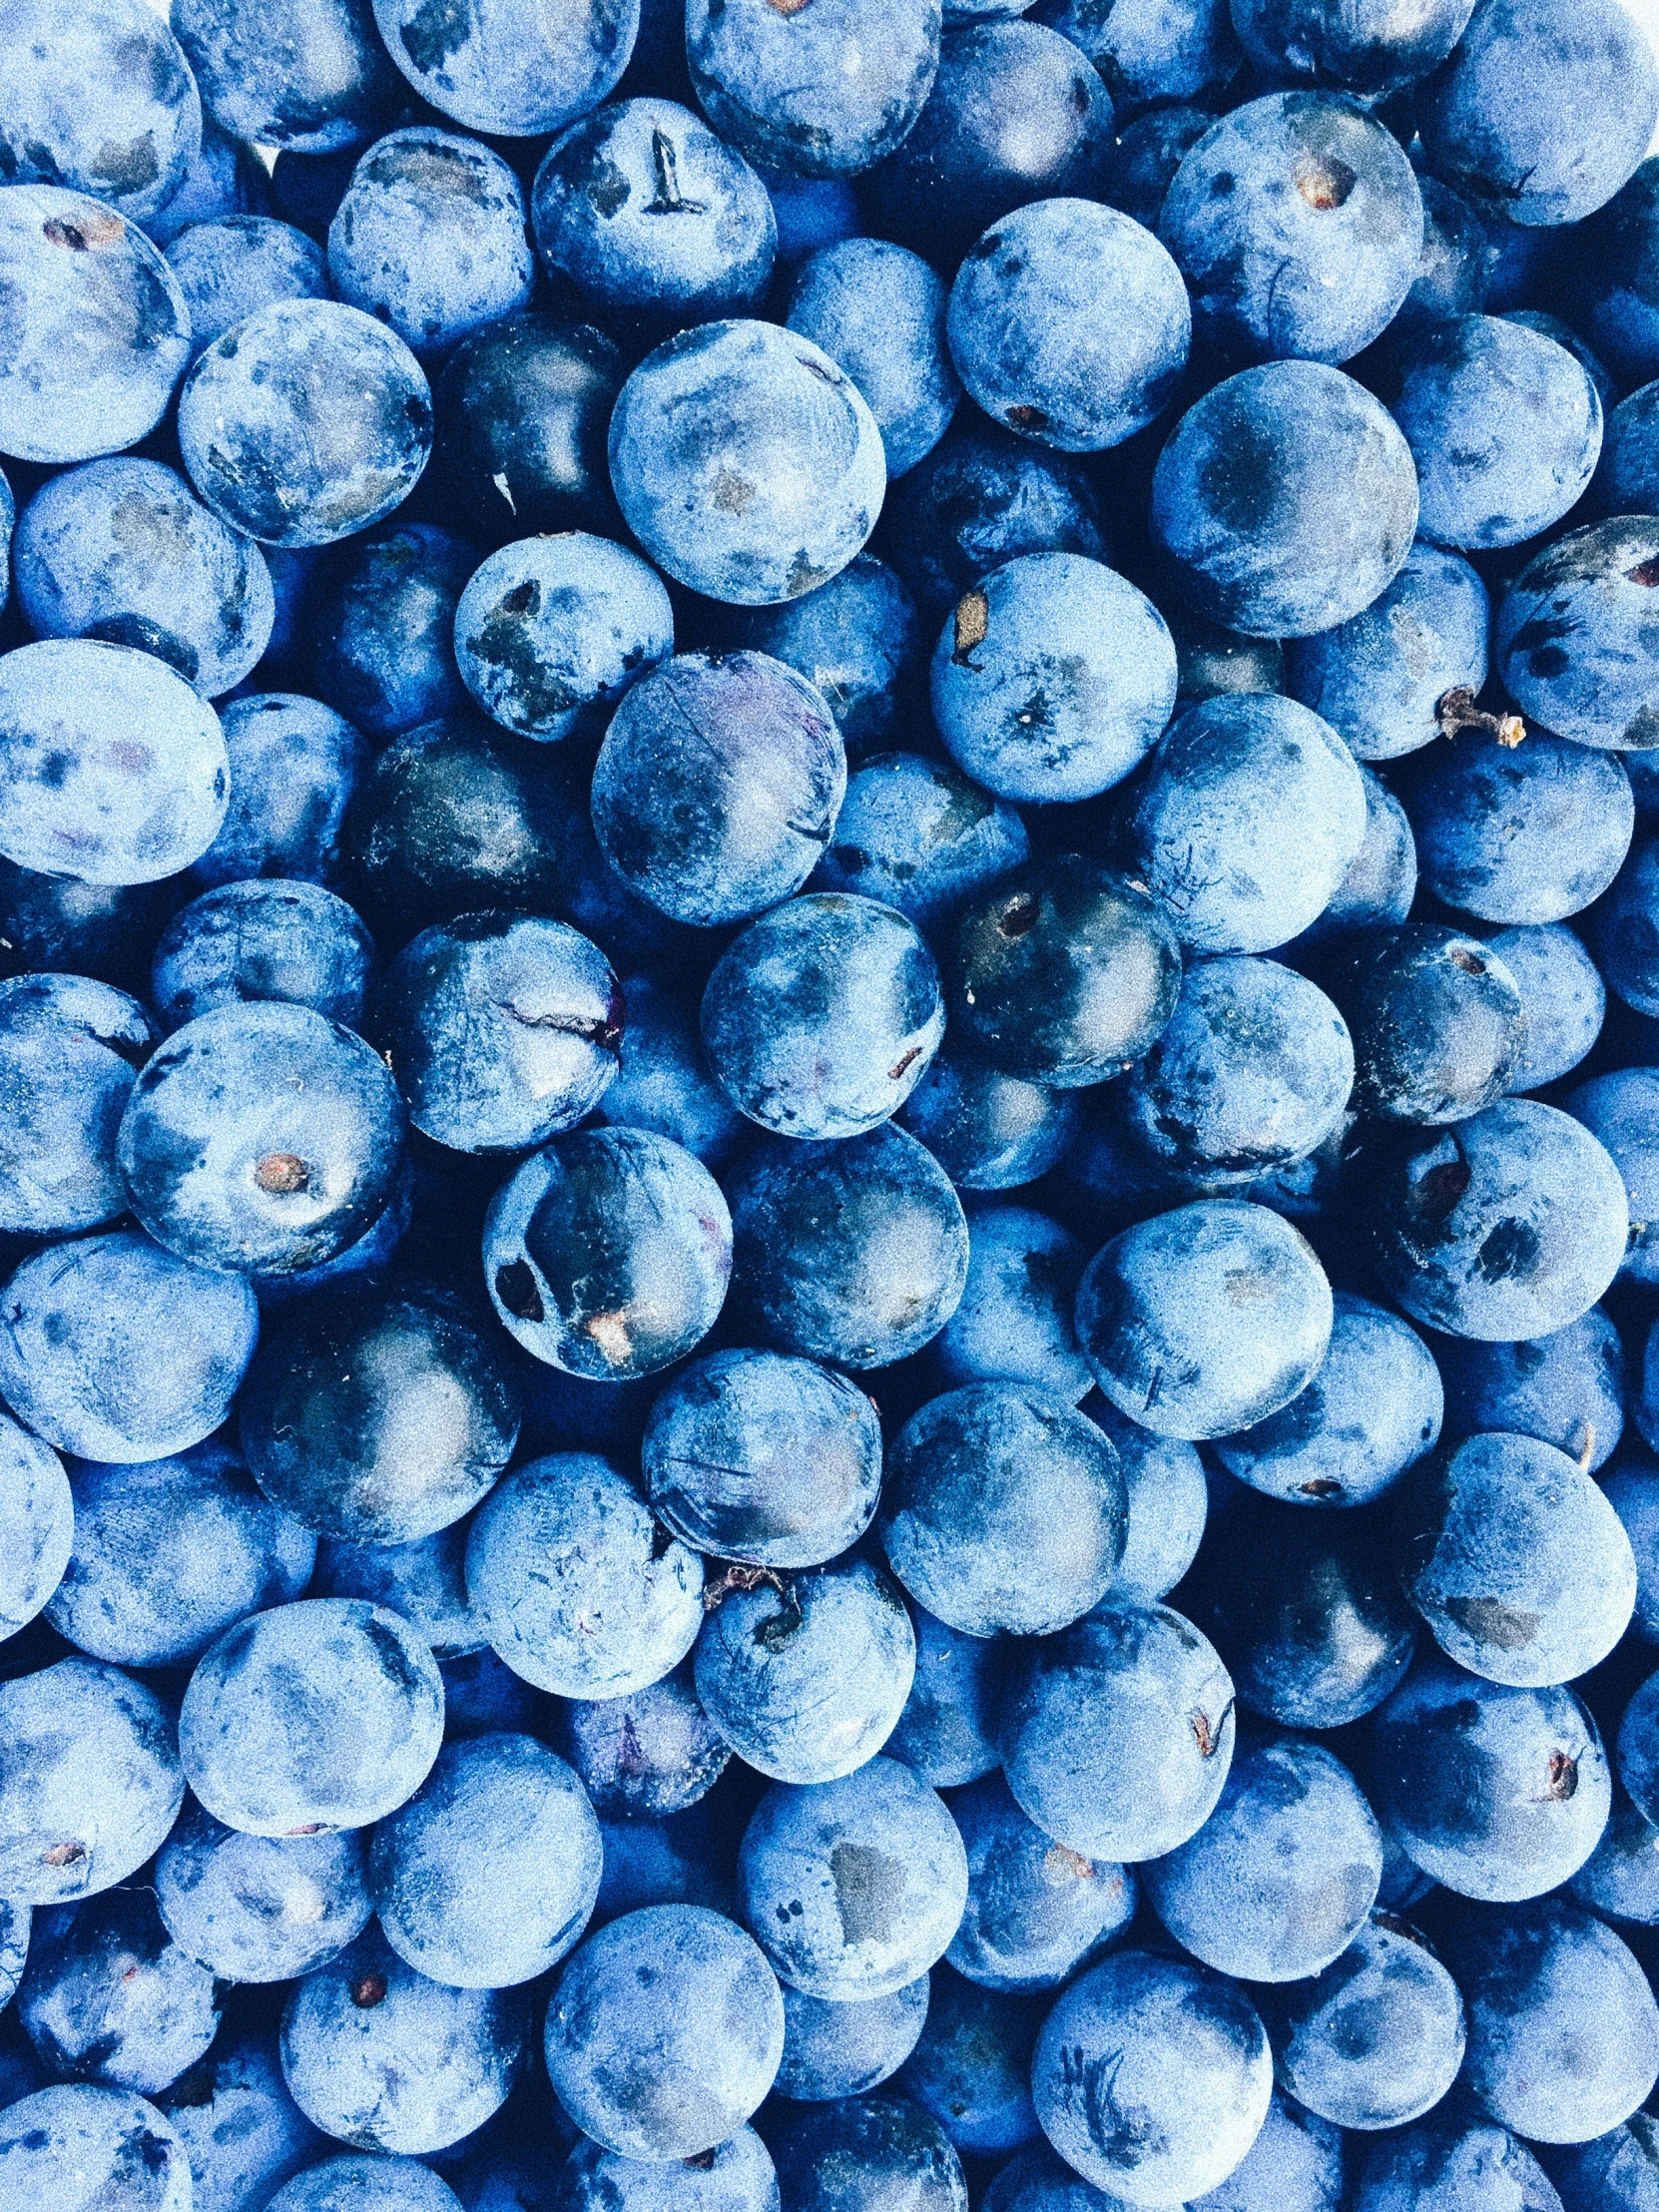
[[282, 1174], [1458, 712], [974, 619], [740, 1578], [368, 1990]]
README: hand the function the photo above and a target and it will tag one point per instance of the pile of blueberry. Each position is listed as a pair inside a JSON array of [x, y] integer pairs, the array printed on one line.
[[828, 1106]]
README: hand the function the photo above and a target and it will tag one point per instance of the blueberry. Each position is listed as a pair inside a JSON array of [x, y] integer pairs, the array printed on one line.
[[1297, 226], [853, 1252], [506, 68], [756, 1457], [1440, 1025], [69, 1047], [1375, 2039], [839, 2049], [383, 2058], [366, 2185], [115, 771], [37, 1509], [1379, 678], [1504, 426], [423, 1583], [1544, 110], [231, 265], [1014, 1324], [501, 1030], [679, 1860], [106, 105], [1015, 115], [68, 2148], [811, 211], [319, 1715], [1497, 1792], [1366, 48], [551, 631], [1063, 972], [856, 639], [1004, 1511], [305, 422], [647, 213], [1162, 1321], [1036, 2179], [263, 940], [1453, 2165], [866, 2151], [946, 1732], [1251, 1073], [453, 818], [169, 1555], [260, 1908], [1023, 335], [294, 766], [747, 464], [1149, 149], [1244, 826], [971, 2068], [1623, 930], [824, 95], [853, 1887], [664, 2034], [262, 1138], [918, 835], [121, 550], [1052, 678], [226, 178], [102, 333], [1563, 2030], [663, 1083], [383, 653], [822, 1016], [285, 76], [1611, 283], [1279, 1880], [243, 2134], [110, 1996], [380, 1412], [1151, 51], [1035, 1910], [718, 784], [878, 312], [645, 1755], [1305, 1613], [1117, 1735], [1285, 500], [1616, 2172], [112, 1347], [1564, 1000], [92, 1783], [805, 1675], [1373, 1407], [522, 411], [982, 497], [1633, 1494], [608, 1252], [520, 1821], [1507, 1226], [430, 238], [735, 2177], [1168, 1506], [988, 1131], [1620, 1110], [1639, 1747], [625, 1609], [1155, 2073], [1568, 633]]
